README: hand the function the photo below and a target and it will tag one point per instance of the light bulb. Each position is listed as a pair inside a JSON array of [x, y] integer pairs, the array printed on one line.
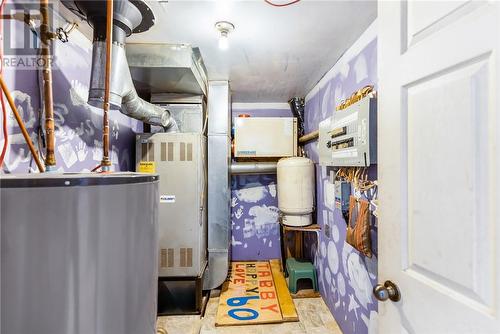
[[224, 28], [223, 41]]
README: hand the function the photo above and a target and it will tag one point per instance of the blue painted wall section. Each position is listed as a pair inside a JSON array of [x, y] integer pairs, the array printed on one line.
[[254, 208], [78, 125], [346, 277], [254, 218]]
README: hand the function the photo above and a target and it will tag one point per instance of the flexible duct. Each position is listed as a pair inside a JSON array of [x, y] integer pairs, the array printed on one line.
[[297, 106]]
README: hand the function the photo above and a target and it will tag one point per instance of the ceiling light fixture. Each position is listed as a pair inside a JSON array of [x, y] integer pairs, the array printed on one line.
[[281, 4], [224, 28]]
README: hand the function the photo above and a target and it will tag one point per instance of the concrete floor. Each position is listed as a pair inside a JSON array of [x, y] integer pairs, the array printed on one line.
[[315, 318]]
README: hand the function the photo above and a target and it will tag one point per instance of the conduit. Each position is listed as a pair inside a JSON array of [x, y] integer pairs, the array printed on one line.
[[50, 158], [106, 162], [21, 125]]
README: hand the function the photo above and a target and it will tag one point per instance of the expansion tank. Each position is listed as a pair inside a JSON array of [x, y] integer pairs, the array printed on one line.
[[296, 190]]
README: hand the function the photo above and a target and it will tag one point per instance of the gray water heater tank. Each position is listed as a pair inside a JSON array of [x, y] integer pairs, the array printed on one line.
[[79, 253]]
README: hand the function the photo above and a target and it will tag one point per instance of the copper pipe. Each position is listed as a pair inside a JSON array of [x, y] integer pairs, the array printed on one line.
[[308, 137], [106, 162], [50, 158], [21, 125]]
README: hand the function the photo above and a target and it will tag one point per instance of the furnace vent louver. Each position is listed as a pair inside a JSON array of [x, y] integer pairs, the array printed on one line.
[[147, 152], [186, 152], [167, 258], [186, 258], [167, 151]]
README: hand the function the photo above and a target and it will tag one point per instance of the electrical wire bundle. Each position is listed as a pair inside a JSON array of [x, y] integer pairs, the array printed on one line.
[[355, 97], [357, 176]]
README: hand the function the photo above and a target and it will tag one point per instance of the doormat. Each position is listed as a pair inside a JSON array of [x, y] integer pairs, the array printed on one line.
[[250, 296]]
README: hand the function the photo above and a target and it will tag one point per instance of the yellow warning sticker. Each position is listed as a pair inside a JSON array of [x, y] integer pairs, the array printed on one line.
[[147, 167]]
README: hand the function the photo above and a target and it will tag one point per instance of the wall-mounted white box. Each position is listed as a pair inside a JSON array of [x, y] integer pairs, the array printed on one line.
[[265, 137]]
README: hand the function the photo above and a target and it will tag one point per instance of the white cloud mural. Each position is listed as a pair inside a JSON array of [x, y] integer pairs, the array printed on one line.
[[78, 126], [360, 68], [251, 194], [348, 293], [255, 217], [333, 258], [323, 249], [272, 189], [335, 233], [359, 279], [341, 284]]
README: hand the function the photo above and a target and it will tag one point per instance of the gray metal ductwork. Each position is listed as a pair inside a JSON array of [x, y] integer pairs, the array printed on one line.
[[253, 168], [128, 17], [219, 191], [123, 95]]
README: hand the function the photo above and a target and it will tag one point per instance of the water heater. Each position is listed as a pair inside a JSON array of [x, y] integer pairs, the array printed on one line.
[[296, 190], [79, 253]]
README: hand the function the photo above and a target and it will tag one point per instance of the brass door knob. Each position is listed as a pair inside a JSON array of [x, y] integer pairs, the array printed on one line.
[[386, 291]]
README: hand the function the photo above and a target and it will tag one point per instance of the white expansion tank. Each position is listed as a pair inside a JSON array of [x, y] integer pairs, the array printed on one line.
[[296, 190]]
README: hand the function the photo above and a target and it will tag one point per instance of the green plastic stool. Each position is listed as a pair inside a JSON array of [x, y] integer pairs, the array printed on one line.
[[299, 270]]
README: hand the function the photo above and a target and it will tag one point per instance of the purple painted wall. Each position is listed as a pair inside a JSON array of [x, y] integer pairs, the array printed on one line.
[[254, 208], [78, 125], [346, 277]]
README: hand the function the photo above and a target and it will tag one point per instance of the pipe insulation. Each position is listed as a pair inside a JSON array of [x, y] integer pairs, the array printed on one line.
[[253, 168]]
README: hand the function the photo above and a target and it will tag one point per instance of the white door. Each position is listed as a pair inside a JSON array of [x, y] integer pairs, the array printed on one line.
[[439, 166]]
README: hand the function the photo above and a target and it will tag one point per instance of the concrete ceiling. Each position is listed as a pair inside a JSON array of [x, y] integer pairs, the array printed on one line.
[[274, 52]]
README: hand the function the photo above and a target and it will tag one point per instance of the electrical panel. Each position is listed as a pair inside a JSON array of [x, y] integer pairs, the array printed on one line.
[[349, 137], [180, 160], [262, 137]]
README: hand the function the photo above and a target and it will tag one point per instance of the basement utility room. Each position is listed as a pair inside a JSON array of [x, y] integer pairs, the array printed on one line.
[[249, 166]]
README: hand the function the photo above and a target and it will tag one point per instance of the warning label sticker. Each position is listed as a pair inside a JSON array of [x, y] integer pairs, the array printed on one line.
[[147, 167]]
